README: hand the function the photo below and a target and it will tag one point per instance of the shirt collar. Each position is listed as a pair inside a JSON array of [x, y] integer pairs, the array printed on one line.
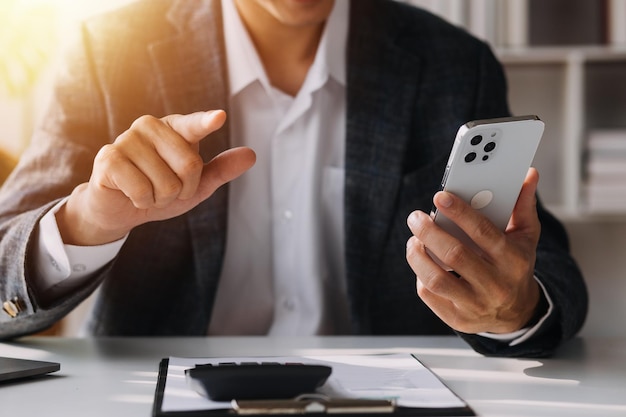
[[244, 64], [335, 39]]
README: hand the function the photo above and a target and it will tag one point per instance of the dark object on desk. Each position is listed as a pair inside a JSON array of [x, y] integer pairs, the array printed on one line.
[[13, 368], [255, 381]]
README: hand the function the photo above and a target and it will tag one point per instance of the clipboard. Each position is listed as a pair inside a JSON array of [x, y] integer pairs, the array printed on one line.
[[313, 405], [266, 408]]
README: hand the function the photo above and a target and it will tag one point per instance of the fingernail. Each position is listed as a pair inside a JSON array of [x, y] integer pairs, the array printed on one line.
[[212, 114], [412, 219]]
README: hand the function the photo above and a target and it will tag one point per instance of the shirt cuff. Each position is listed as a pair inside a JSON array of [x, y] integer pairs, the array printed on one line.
[[58, 263], [515, 338]]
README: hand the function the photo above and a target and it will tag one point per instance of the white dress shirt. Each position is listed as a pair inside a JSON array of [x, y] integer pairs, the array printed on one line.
[[284, 269]]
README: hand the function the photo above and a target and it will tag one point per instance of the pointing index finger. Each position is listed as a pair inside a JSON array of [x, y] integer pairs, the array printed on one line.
[[194, 127], [477, 227]]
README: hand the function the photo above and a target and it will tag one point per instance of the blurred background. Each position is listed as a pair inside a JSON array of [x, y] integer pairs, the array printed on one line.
[[565, 61]]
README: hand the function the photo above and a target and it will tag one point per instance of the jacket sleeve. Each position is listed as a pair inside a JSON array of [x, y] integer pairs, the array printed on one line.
[[554, 265], [59, 157]]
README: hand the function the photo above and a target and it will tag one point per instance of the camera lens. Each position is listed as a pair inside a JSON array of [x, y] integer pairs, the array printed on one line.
[[485, 157], [470, 157], [476, 140], [490, 146]]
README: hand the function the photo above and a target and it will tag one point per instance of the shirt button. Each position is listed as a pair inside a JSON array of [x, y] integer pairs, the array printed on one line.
[[288, 215], [289, 304]]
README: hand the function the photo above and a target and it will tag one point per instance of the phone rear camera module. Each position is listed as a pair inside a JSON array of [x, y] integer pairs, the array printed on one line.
[[490, 146], [476, 140], [470, 157]]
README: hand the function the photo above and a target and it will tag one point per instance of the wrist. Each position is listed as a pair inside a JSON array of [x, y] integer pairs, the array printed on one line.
[[541, 309], [529, 305], [77, 226]]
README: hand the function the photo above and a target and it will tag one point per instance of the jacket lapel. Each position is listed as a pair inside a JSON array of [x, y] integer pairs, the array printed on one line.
[[192, 77], [382, 84]]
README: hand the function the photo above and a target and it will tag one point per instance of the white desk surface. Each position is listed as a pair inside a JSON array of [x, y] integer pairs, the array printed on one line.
[[117, 376]]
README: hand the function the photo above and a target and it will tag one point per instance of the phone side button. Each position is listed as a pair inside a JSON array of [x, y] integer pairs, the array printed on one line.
[[445, 176]]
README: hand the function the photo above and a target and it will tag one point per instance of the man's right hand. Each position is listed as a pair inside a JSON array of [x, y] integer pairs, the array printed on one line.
[[153, 171]]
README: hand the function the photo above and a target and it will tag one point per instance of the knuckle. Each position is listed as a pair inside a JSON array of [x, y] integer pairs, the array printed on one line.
[[144, 121], [434, 282], [191, 167], [142, 197], [108, 155], [455, 255], [423, 292], [460, 324], [461, 321], [437, 284], [170, 189], [483, 227]]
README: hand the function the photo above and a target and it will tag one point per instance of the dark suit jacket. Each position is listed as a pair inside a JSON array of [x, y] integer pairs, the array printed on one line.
[[412, 81]]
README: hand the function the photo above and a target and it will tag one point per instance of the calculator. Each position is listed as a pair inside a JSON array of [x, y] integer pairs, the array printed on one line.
[[226, 381]]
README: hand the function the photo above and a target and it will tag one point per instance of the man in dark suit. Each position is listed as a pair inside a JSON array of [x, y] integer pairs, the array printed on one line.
[[178, 254]]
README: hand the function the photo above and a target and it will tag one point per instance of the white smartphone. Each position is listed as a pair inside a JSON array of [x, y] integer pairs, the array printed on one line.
[[487, 166]]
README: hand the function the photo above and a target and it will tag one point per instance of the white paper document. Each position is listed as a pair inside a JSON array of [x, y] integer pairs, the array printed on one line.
[[390, 376]]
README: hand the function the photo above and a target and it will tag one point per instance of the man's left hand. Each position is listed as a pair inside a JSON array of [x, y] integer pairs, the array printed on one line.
[[496, 291]]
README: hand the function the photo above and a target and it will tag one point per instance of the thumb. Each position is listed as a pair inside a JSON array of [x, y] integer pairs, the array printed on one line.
[[525, 211], [225, 167], [194, 127]]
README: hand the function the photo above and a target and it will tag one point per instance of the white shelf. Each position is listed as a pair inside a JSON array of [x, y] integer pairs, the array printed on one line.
[[561, 54], [556, 83], [574, 88]]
